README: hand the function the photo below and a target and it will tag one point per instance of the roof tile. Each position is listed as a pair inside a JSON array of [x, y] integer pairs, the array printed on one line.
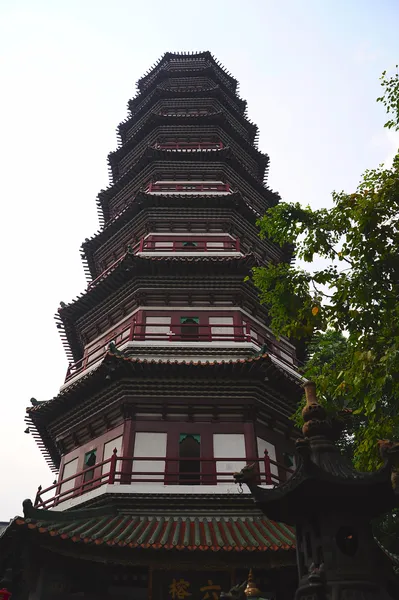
[[180, 533]]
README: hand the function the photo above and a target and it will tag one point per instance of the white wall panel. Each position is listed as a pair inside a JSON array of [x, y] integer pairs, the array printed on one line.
[[69, 469], [108, 451], [162, 244], [148, 445], [226, 445], [215, 244], [220, 325], [152, 326]]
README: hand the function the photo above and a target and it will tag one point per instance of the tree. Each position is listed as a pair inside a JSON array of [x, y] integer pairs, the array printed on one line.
[[348, 307]]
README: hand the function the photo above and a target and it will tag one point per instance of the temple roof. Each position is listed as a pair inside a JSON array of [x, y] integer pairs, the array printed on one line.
[[168, 368], [164, 160], [165, 533], [133, 265], [162, 155], [240, 263], [202, 97], [140, 103], [111, 525], [135, 282], [142, 200], [326, 477], [189, 56], [218, 119], [337, 488], [116, 367]]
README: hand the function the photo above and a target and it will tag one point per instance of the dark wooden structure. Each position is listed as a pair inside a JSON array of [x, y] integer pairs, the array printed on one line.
[[175, 380], [332, 505]]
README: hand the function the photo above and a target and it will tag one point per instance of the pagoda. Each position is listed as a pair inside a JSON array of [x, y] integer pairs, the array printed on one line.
[[175, 379]]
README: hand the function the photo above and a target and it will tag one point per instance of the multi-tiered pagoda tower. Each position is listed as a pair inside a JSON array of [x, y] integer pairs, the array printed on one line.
[[175, 379]]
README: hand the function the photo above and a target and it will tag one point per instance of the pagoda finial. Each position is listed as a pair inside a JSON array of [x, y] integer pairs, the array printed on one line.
[[251, 591], [314, 415]]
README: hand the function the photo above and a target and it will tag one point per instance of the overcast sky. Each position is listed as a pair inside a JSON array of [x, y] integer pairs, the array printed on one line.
[[309, 70]]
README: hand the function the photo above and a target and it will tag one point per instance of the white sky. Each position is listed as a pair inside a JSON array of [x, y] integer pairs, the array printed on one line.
[[309, 70]]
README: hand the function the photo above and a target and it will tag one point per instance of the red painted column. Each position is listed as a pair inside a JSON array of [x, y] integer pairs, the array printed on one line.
[[238, 327], [172, 454], [208, 467], [129, 433], [268, 472], [112, 467], [251, 449], [140, 325]]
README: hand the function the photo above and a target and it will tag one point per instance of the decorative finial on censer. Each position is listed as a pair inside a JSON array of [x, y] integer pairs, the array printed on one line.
[[314, 414], [251, 591]]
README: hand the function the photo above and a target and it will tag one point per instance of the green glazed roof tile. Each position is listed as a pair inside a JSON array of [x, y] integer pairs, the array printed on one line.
[[178, 533]]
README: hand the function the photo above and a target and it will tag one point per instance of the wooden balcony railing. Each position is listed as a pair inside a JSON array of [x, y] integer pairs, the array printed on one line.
[[208, 188], [185, 112], [191, 246], [168, 333], [188, 145], [176, 246], [124, 471]]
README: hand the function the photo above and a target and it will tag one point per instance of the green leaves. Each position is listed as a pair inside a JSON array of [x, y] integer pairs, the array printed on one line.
[[390, 98], [286, 291], [348, 308]]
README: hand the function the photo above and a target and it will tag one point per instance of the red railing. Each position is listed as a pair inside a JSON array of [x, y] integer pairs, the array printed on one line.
[[209, 188], [188, 145], [177, 246], [191, 245], [185, 112], [122, 471], [182, 332]]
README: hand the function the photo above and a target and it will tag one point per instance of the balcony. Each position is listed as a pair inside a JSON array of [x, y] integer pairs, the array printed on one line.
[[188, 146], [186, 112], [181, 247], [159, 475], [163, 331], [189, 246], [188, 187]]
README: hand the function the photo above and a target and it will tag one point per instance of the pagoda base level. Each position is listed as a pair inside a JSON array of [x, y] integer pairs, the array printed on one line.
[[343, 591], [139, 547], [138, 489], [197, 352], [77, 577]]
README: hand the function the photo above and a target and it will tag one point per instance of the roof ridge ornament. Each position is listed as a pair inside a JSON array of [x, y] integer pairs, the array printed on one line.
[[43, 514]]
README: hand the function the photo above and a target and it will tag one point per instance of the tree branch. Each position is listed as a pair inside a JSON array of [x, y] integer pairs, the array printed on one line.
[[319, 291]]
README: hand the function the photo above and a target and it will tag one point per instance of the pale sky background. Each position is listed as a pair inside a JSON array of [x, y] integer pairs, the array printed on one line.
[[309, 70]]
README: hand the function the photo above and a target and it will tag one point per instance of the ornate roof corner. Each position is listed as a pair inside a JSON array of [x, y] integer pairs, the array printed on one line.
[[249, 475], [43, 515], [389, 452], [324, 473]]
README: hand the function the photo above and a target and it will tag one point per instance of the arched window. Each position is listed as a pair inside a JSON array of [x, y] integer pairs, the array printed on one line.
[[190, 452], [89, 461], [189, 328]]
